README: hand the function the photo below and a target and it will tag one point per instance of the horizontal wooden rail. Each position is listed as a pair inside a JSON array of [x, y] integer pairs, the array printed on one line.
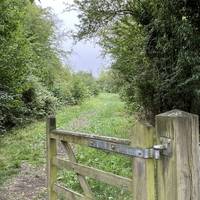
[[84, 138], [70, 194], [97, 174]]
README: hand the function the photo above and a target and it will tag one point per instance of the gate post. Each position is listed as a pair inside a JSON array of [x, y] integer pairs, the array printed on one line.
[[178, 175], [143, 169], [51, 152]]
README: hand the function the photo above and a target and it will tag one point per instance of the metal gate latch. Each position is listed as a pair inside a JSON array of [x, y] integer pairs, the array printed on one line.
[[154, 153], [165, 148]]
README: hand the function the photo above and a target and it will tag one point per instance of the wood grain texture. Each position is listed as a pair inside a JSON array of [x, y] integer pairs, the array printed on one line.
[[82, 180], [97, 174], [68, 194], [143, 169], [84, 138], [51, 152], [178, 176]]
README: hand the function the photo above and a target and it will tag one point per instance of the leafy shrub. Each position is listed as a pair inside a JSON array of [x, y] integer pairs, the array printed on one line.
[[7, 116], [107, 81], [89, 81], [79, 91], [39, 101], [33, 102], [33, 81]]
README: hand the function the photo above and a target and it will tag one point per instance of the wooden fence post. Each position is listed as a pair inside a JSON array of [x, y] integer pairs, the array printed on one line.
[[143, 169], [178, 175], [51, 152]]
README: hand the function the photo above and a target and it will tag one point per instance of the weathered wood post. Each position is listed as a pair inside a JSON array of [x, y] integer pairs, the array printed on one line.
[[178, 175], [143, 169], [51, 152]]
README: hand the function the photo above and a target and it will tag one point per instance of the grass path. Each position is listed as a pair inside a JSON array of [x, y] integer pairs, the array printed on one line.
[[22, 151]]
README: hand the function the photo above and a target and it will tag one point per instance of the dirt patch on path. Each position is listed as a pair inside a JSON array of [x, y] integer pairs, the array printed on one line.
[[29, 184]]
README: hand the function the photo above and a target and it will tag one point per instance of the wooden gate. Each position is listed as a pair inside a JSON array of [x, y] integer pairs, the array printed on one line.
[[156, 155]]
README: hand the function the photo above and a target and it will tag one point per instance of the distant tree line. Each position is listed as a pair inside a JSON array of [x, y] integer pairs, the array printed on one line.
[[33, 81], [155, 49]]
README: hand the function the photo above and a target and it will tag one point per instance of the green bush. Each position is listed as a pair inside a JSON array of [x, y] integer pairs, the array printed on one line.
[[33, 81], [107, 81], [39, 101], [89, 81], [79, 91], [8, 110], [33, 102]]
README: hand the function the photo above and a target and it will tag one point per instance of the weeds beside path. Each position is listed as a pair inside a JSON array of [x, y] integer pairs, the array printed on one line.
[[22, 151]]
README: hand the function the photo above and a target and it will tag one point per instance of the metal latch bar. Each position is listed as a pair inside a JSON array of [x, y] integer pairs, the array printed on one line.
[[145, 153], [122, 149]]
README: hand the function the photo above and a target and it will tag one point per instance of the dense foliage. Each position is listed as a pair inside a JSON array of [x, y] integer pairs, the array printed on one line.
[[107, 81], [155, 46], [33, 81]]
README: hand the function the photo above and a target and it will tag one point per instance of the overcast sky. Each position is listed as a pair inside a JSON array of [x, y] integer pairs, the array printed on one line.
[[86, 56]]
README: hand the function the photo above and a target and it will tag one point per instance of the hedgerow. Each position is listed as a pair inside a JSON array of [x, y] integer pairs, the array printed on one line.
[[33, 81]]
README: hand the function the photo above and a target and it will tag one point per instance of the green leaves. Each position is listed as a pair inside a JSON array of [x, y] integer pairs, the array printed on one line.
[[155, 49], [33, 81]]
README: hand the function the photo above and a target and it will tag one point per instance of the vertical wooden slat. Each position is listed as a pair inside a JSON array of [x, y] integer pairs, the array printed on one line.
[[83, 182], [178, 175], [51, 152], [143, 169]]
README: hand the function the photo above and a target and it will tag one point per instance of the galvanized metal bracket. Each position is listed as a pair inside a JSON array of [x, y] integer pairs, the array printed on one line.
[[149, 153], [163, 149], [120, 148]]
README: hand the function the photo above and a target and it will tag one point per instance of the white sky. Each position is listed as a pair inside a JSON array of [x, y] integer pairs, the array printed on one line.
[[85, 55]]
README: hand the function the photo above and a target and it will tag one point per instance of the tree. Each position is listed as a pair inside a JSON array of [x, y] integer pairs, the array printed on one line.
[[155, 47], [107, 81]]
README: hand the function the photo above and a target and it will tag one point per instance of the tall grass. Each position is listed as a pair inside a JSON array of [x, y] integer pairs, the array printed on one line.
[[103, 115]]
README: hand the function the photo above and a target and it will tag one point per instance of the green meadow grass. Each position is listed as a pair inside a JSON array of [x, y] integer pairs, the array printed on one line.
[[103, 115]]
